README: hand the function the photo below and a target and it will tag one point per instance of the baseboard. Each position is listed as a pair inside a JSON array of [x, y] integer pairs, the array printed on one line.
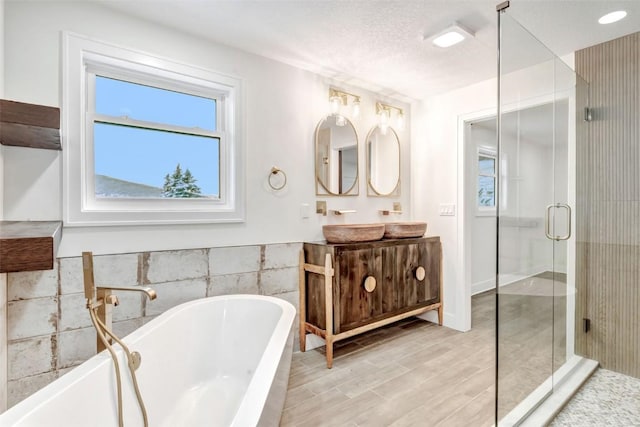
[[313, 341], [506, 279], [485, 285], [429, 316]]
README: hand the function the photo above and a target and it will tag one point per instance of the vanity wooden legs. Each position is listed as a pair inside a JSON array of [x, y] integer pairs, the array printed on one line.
[[440, 314], [329, 353], [302, 308], [328, 272], [328, 304]]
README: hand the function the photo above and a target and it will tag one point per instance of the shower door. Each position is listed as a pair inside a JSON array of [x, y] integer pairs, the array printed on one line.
[[536, 127]]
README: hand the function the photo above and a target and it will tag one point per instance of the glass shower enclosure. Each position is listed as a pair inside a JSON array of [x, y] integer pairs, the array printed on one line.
[[541, 101]]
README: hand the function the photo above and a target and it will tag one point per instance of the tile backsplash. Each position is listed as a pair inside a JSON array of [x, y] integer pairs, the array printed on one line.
[[49, 329]]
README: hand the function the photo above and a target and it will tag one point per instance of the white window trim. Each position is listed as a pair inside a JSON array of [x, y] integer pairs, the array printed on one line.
[[81, 56], [486, 152]]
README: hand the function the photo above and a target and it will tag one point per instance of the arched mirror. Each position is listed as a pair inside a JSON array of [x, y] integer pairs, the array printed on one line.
[[336, 157], [383, 162]]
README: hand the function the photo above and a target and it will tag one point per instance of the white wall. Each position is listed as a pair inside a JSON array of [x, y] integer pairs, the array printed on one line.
[[524, 248], [435, 178], [2, 30], [438, 171], [483, 227], [1, 48], [283, 106]]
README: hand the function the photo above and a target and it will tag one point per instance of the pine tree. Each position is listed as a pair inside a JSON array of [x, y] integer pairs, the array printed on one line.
[[191, 189], [180, 185], [169, 187]]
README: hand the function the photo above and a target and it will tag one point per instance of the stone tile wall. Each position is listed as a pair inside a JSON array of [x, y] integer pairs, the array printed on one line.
[[3, 342], [49, 329]]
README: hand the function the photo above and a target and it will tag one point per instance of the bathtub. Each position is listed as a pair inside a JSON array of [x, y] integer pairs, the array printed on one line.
[[220, 361]]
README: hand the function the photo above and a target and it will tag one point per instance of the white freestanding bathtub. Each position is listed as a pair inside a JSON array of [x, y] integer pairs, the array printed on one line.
[[221, 361]]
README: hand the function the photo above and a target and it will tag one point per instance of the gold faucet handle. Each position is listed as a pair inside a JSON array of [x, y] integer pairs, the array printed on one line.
[[113, 299]]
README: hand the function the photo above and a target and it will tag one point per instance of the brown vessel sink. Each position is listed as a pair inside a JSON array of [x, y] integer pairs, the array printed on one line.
[[352, 233], [400, 230]]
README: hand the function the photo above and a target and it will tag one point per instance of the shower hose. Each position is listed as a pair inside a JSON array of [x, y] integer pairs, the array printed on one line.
[[101, 329]]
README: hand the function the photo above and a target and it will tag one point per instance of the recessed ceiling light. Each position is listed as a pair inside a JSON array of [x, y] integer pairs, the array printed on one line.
[[612, 17], [448, 39], [450, 36]]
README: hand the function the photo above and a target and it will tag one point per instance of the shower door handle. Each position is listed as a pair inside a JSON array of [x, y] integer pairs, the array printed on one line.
[[547, 227], [568, 209]]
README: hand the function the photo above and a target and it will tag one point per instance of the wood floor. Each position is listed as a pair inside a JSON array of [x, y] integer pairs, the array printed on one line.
[[412, 373]]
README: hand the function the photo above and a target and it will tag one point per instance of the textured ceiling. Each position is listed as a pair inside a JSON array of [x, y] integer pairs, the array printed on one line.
[[379, 44]]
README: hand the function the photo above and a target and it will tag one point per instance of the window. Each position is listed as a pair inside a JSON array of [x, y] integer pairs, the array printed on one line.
[[486, 200], [146, 143], [174, 132]]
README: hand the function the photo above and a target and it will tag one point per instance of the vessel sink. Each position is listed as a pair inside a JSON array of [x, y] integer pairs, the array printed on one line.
[[352, 233], [400, 230]]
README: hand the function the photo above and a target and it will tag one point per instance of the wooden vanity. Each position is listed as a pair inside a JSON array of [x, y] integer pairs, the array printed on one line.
[[350, 288]]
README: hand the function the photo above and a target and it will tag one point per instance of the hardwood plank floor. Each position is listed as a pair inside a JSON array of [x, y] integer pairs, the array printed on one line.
[[407, 374]]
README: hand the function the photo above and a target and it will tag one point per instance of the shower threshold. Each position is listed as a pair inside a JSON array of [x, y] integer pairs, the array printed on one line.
[[540, 407]]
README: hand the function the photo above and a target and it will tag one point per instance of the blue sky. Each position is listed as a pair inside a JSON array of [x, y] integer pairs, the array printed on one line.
[[146, 156]]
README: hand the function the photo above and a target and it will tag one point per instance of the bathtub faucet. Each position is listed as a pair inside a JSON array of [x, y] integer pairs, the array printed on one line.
[[104, 293], [101, 299], [106, 299], [100, 303]]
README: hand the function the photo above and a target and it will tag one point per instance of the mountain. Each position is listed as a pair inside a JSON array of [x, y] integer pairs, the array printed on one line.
[[107, 186]]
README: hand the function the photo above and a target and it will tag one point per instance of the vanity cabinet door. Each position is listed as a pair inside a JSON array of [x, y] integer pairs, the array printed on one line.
[[390, 301], [431, 258], [358, 305], [417, 274], [408, 288]]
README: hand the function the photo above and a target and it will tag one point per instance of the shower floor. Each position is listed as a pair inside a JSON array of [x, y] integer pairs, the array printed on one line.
[[606, 399]]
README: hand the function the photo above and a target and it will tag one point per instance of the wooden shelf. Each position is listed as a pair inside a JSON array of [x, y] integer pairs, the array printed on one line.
[[29, 125], [28, 245]]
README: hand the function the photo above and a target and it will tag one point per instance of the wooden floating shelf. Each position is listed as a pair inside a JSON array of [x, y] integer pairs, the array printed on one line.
[[28, 245], [29, 125]]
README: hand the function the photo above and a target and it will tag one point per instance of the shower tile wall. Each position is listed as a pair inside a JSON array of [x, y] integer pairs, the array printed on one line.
[[608, 207], [49, 329]]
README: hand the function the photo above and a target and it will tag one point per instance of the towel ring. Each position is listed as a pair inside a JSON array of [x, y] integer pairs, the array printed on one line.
[[275, 171]]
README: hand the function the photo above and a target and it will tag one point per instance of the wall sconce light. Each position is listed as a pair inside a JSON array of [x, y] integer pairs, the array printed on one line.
[[384, 111], [338, 101]]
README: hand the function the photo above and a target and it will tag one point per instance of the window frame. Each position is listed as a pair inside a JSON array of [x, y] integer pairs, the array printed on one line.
[[83, 59], [490, 153]]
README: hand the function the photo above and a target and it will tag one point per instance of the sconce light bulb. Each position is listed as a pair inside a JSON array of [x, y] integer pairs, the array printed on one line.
[[384, 118], [383, 128], [355, 105], [334, 104], [400, 121], [340, 120]]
